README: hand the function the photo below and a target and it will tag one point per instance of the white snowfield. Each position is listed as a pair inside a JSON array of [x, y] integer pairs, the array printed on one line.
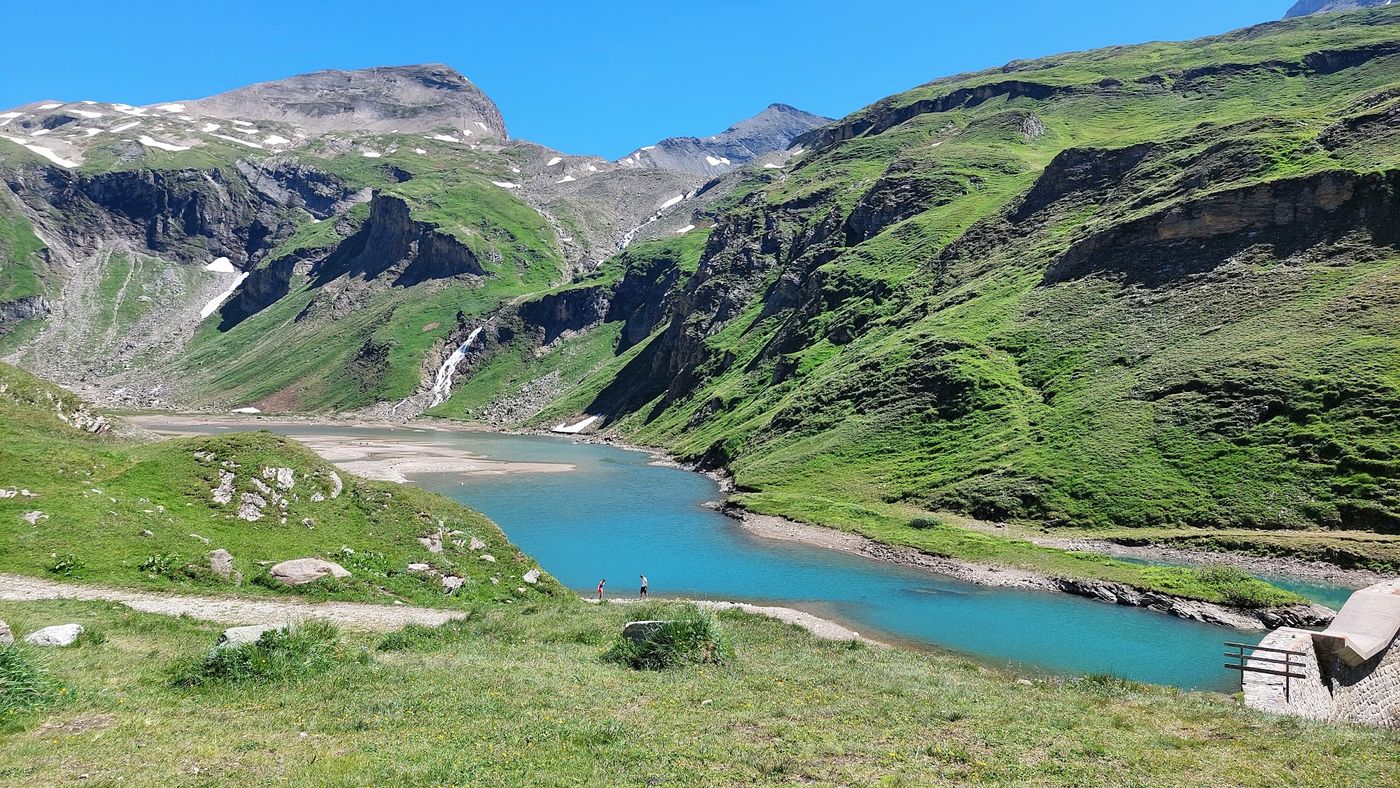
[[47, 153], [276, 140], [218, 300], [671, 202], [506, 184], [49, 106], [86, 113], [249, 143], [246, 410], [715, 162], [151, 142], [566, 428], [371, 154], [172, 108], [125, 126], [685, 229], [221, 265], [553, 161], [771, 166], [208, 127], [566, 179], [445, 138]]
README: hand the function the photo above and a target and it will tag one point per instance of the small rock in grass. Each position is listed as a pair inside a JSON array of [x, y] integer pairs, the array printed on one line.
[[146, 532], [57, 635], [487, 557], [477, 544], [532, 577], [451, 583], [300, 571], [6, 636], [419, 567], [221, 563], [34, 517], [432, 541]]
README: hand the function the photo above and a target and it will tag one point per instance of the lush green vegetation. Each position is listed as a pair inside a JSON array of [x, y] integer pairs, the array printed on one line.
[[524, 697], [24, 684], [682, 638], [279, 655], [145, 514], [1025, 340], [20, 274]]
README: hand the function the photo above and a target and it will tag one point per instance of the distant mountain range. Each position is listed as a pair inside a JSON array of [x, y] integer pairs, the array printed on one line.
[[770, 130]]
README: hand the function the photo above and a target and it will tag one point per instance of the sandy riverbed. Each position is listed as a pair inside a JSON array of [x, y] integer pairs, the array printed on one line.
[[391, 459]]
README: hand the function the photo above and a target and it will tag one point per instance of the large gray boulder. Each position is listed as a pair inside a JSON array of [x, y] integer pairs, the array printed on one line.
[[57, 635], [6, 636], [238, 636], [300, 571], [640, 631]]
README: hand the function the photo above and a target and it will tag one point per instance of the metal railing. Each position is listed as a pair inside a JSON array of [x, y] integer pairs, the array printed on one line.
[[1291, 660]]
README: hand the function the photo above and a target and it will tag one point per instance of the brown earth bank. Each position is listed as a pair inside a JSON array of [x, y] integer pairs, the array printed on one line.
[[770, 527]]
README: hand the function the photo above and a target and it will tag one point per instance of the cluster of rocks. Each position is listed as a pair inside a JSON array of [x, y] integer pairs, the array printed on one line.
[[58, 635], [271, 489]]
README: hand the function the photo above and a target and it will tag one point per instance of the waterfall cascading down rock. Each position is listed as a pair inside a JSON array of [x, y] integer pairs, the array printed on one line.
[[442, 383]]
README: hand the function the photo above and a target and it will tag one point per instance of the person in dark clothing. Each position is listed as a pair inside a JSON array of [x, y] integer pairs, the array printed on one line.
[[644, 586]]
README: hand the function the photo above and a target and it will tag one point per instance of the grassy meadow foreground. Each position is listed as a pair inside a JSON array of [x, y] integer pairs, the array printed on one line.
[[520, 694]]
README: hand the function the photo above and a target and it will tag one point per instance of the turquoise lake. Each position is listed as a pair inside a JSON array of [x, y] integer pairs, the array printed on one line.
[[617, 516]]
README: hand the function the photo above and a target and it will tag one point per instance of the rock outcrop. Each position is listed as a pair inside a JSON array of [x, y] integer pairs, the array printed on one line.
[[403, 98], [1310, 7]]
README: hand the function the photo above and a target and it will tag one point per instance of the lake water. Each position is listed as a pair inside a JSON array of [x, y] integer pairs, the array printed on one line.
[[617, 517]]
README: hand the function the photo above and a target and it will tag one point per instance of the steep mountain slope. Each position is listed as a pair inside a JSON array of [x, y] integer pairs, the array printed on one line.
[[1142, 286], [771, 130], [269, 245], [1307, 7]]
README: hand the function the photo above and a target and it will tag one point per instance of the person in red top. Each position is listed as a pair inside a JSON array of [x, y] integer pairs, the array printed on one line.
[[601, 583]]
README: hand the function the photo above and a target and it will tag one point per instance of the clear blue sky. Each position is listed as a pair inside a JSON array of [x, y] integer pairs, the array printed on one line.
[[580, 76]]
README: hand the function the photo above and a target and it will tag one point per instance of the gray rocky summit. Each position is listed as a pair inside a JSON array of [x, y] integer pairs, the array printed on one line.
[[1310, 7], [388, 98], [771, 130]]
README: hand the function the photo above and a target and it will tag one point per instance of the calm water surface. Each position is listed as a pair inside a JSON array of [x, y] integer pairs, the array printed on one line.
[[616, 517]]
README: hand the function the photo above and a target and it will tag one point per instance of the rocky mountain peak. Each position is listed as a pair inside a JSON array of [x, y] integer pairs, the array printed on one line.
[[1310, 7], [388, 98], [771, 130]]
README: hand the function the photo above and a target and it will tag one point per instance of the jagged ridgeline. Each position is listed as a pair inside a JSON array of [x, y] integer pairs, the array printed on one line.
[[312, 243], [1138, 286]]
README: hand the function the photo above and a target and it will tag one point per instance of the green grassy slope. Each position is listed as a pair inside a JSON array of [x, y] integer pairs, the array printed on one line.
[[518, 694], [21, 272], [1122, 288], [120, 512], [351, 342]]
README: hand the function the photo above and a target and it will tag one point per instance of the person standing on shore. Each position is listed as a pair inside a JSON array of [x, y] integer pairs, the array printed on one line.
[[601, 583], [644, 586]]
